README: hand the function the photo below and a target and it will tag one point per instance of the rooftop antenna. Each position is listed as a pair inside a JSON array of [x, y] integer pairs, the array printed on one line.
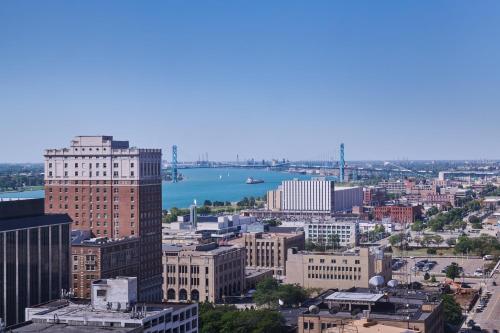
[[174, 164]]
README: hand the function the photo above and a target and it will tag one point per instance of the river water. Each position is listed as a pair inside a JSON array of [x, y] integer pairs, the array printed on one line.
[[205, 184]]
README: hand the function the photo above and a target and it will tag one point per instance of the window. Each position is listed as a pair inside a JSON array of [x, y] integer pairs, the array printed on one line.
[[101, 293]]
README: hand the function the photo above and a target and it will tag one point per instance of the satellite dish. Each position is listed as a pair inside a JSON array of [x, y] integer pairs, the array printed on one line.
[[376, 281], [392, 283], [313, 309]]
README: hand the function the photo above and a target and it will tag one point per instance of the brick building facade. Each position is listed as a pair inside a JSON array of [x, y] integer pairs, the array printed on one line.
[[114, 191], [398, 214]]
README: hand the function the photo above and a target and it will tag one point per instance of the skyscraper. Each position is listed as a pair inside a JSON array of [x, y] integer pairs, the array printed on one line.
[[114, 191], [34, 257]]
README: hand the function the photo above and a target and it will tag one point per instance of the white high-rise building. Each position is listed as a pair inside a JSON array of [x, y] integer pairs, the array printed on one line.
[[316, 195]]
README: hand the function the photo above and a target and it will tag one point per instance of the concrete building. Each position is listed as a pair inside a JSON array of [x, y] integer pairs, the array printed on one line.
[[274, 199], [114, 307], [339, 270], [202, 272], [345, 198], [398, 214], [34, 257], [269, 250], [114, 190], [322, 231], [308, 195], [101, 258], [390, 312]]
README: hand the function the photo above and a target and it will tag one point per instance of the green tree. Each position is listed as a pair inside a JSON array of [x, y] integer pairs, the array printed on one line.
[[269, 292], [433, 278], [207, 203], [432, 211], [395, 240], [418, 226], [452, 271], [452, 310]]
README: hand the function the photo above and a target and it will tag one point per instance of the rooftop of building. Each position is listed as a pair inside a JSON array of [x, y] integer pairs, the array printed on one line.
[[253, 272], [84, 238], [98, 144], [32, 327], [24, 214], [209, 249], [80, 310], [387, 304]]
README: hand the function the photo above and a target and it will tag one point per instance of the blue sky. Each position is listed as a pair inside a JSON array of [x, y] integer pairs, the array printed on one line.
[[263, 79]]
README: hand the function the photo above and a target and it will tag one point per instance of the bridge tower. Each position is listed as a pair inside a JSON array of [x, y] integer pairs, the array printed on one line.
[[174, 163], [342, 164]]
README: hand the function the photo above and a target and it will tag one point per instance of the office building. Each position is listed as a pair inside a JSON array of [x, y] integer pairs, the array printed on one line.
[[336, 270], [322, 231], [34, 257], [101, 258], [274, 199], [269, 250], [397, 214], [308, 195], [345, 198], [204, 272], [114, 191], [114, 307]]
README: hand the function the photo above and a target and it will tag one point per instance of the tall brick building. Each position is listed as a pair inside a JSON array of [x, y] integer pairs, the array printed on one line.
[[114, 191]]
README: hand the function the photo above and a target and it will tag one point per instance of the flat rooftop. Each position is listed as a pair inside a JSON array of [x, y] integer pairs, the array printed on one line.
[[65, 328], [354, 297]]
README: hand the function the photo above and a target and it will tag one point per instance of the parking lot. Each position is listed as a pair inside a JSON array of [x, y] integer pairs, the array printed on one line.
[[468, 264]]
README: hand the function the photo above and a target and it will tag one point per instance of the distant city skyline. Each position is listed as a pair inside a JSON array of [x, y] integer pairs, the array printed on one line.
[[392, 80]]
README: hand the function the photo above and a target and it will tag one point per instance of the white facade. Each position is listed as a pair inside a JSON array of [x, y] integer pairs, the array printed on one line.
[[347, 197], [308, 195], [321, 231], [104, 312], [366, 226], [101, 158]]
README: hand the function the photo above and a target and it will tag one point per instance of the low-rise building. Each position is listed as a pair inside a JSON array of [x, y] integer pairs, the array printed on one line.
[[269, 250], [113, 308], [367, 226], [398, 214], [254, 275], [322, 231], [390, 312], [336, 270], [204, 272], [101, 258]]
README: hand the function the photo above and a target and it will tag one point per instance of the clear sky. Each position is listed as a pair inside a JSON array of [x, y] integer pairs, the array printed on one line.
[[263, 79]]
